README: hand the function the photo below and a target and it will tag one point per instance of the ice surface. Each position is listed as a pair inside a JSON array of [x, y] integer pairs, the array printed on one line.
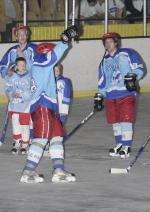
[[86, 156]]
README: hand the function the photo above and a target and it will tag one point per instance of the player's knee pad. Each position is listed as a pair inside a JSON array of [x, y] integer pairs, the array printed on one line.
[[36, 149], [127, 130], [117, 129], [56, 148], [117, 132]]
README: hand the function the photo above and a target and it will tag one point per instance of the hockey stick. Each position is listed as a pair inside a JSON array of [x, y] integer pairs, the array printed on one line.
[[5, 126], [46, 152], [87, 117], [80, 124], [125, 171]]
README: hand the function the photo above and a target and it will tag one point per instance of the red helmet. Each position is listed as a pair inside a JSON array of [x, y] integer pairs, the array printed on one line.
[[44, 48], [115, 36], [21, 27]]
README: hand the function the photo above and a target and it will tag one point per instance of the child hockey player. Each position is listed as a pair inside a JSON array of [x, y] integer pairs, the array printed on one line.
[[63, 93], [46, 126], [19, 95], [119, 72]]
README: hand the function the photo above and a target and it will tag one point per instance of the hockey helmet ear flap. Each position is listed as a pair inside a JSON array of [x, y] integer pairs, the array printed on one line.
[[44, 48]]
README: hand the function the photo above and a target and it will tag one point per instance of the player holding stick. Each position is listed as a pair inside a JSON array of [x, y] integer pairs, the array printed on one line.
[[118, 75]]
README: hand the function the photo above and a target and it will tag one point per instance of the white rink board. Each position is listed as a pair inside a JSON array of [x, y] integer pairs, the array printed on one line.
[[82, 61]]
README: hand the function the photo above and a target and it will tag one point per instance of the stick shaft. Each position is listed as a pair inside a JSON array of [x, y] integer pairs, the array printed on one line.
[[80, 124], [139, 152]]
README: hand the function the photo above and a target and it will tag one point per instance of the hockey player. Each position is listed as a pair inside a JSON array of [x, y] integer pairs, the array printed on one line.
[[19, 94], [63, 93], [22, 49], [46, 126], [119, 72], [63, 97]]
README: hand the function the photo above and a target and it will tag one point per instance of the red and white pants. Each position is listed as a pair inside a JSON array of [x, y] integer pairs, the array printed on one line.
[[20, 127], [45, 124]]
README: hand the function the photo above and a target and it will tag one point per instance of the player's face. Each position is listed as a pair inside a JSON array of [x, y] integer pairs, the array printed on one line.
[[22, 36], [21, 66], [110, 45], [57, 72]]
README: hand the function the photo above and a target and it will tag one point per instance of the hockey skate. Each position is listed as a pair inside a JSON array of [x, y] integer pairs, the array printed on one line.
[[16, 146], [114, 152], [34, 178], [125, 153], [23, 149], [62, 176]]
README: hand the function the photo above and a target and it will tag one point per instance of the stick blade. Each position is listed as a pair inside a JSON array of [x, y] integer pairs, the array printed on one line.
[[118, 171]]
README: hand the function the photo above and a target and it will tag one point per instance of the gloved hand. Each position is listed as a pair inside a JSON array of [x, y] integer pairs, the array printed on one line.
[[130, 82], [69, 33], [98, 102]]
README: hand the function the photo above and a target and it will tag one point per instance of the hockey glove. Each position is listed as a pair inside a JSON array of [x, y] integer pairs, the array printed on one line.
[[130, 82], [69, 33], [98, 102]]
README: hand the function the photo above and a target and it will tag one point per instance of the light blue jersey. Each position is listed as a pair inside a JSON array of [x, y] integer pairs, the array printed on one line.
[[113, 70], [11, 55], [63, 94], [20, 84], [43, 79]]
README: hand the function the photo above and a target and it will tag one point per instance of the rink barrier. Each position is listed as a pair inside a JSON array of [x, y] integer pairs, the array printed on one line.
[[87, 93], [81, 94], [93, 31]]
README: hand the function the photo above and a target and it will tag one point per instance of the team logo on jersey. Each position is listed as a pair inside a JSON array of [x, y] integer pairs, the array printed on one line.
[[60, 87], [113, 68], [17, 100], [116, 78]]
